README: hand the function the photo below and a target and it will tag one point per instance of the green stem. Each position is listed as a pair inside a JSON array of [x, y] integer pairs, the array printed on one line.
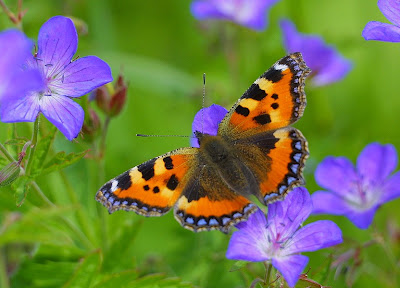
[[6, 153], [33, 145], [41, 195], [267, 277], [3, 270], [10, 15], [82, 219]]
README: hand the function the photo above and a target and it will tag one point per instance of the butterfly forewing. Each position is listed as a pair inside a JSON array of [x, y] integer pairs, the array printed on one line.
[[152, 188], [275, 100]]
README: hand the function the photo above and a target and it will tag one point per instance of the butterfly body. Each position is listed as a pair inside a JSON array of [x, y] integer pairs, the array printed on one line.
[[255, 153]]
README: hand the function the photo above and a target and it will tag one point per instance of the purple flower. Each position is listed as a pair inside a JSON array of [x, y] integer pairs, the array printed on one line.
[[375, 30], [326, 63], [15, 49], [64, 79], [278, 239], [357, 192], [207, 121], [249, 13]]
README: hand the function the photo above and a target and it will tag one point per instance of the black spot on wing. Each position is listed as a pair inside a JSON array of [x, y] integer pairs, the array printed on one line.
[[124, 181], [172, 182], [193, 191], [274, 96], [262, 119], [273, 75], [255, 92], [156, 189], [242, 110], [147, 169], [168, 163], [275, 105], [146, 187]]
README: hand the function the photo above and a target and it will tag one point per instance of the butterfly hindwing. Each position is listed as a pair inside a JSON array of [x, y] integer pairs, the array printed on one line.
[[275, 100], [207, 203], [152, 188]]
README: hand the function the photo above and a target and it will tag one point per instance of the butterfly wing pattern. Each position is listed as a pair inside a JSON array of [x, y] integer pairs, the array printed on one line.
[[256, 153]]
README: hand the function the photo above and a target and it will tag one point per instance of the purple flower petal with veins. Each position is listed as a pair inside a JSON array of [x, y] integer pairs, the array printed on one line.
[[249, 13], [64, 79], [14, 81], [357, 192], [379, 31], [278, 238], [326, 63]]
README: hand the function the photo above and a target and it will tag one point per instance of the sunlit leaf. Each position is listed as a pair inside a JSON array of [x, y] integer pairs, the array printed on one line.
[[20, 189], [61, 160], [117, 279], [85, 272], [42, 149]]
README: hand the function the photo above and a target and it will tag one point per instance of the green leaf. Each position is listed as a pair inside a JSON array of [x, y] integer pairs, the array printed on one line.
[[238, 265], [159, 281], [20, 188], [42, 149], [62, 160], [38, 226], [117, 279], [17, 141], [86, 271], [115, 257]]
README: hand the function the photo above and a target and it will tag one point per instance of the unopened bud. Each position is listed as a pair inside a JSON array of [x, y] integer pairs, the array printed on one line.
[[9, 173], [91, 126]]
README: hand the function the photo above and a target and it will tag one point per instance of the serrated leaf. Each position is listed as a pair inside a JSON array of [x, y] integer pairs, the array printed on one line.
[[238, 265], [85, 272], [62, 160], [46, 274], [117, 256], [159, 281], [20, 188], [42, 149], [117, 279], [16, 141], [38, 226]]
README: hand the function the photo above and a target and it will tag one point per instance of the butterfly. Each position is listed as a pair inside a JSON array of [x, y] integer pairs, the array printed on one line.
[[254, 154]]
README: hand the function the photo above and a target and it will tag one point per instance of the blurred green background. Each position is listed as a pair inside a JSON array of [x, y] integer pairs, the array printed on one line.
[[162, 52]]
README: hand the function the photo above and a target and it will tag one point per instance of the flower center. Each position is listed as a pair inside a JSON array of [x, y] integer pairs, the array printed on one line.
[[363, 195]]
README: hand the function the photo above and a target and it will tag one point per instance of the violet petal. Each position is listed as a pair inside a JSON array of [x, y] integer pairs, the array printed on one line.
[[379, 31], [207, 121], [376, 162], [250, 242], [64, 113], [329, 203], [290, 267], [24, 109], [362, 219], [336, 174], [285, 217], [391, 188], [391, 10], [57, 44], [314, 236], [81, 77]]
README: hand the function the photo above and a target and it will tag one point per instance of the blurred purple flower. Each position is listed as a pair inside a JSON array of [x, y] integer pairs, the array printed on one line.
[[207, 121], [375, 30], [326, 63], [64, 79], [357, 192], [249, 13], [14, 81], [278, 239]]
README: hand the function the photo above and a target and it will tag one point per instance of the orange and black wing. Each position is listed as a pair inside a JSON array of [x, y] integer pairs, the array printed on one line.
[[152, 188], [275, 100], [207, 203]]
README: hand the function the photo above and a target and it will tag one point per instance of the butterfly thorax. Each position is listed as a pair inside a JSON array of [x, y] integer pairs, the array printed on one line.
[[218, 155]]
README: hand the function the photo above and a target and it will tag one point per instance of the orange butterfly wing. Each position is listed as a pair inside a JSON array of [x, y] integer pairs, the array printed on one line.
[[258, 126], [152, 188]]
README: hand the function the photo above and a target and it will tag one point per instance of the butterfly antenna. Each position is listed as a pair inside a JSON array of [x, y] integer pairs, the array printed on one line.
[[203, 104], [155, 135]]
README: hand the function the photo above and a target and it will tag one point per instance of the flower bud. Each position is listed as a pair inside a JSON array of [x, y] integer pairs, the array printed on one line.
[[91, 125], [111, 99], [9, 173]]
